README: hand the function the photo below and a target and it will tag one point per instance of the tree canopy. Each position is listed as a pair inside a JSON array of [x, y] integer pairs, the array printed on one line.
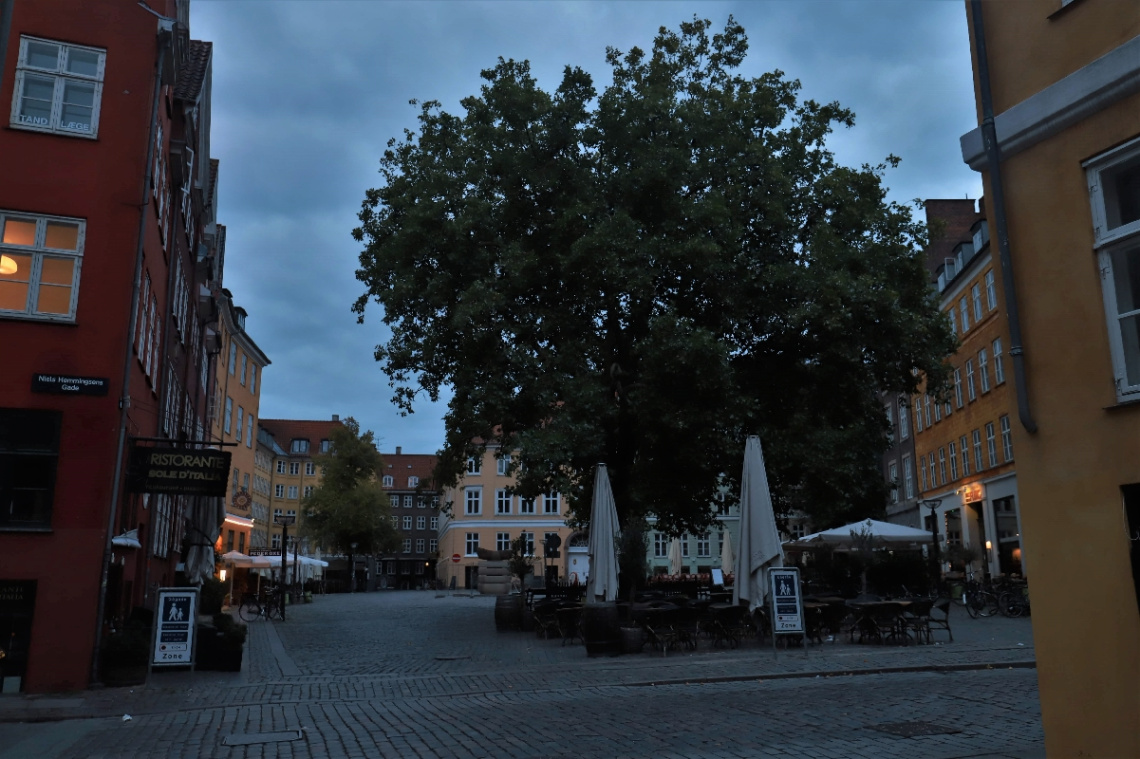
[[349, 506], [646, 276]]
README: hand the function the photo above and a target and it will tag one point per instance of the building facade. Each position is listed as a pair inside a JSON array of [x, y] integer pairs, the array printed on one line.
[[480, 512], [234, 411], [295, 474], [407, 480], [1058, 91], [108, 248], [963, 444]]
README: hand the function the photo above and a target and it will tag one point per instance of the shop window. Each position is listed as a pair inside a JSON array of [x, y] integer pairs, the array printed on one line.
[[29, 454]]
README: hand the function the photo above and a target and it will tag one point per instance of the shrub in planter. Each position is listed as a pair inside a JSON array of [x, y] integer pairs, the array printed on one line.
[[123, 655], [220, 645], [211, 596]]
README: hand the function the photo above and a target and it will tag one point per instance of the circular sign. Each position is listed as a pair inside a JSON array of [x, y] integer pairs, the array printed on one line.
[[455, 558]]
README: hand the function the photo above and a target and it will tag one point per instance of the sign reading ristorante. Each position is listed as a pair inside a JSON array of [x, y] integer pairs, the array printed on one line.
[[179, 471]]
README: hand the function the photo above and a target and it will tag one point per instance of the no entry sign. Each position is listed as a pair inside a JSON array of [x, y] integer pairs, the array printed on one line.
[[455, 558]]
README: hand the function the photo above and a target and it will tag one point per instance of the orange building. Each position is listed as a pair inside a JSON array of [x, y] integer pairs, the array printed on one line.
[[295, 474], [963, 441], [1058, 93]]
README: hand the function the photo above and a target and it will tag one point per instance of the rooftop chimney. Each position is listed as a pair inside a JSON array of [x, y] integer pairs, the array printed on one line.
[[398, 450], [336, 417]]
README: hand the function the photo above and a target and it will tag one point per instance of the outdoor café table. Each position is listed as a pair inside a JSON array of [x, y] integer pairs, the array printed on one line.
[[872, 617], [813, 620]]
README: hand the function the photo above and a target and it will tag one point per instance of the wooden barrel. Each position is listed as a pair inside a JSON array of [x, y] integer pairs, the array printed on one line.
[[508, 612], [600, 629]]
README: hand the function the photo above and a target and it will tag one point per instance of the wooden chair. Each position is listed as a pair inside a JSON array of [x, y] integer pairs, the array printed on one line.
[[939, 619]]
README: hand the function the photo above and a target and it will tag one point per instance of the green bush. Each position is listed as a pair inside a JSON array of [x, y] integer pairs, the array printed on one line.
[[211, 596], [127, 646], [232, 633]]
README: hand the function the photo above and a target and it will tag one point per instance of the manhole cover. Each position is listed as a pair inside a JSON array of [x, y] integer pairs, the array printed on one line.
[[451, 658], [248, 739], [912, 729]]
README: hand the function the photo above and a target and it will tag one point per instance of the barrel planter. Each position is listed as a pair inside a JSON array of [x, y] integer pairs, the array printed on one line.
[[508, 612], [600, 629], [632, 640]]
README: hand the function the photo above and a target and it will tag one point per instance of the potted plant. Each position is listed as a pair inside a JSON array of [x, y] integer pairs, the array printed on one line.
[[509, 607], [123, 654], [220, 645]]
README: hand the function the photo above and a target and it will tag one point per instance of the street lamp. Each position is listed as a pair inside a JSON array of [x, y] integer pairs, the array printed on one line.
[[933, 504], [352, 568]]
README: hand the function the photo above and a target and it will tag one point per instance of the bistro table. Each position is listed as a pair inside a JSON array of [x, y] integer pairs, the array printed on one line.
[[874, 618]]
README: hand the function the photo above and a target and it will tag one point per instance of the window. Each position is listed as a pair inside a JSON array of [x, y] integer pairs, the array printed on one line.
[[502, 501], [991, 291], [421, 523], [984, 370], [279, 491], [526, 505], [1006, 438], [244, 362], [474, 466], [233, 358], [703, 547], [294, 467], [236, 479], [904, 422], [953, 322], [685, 546], [503, 465], [474, 500], [245, 481], [253, 379], [229, 414], [953, 454], [551, 503], [976, 296], [999, 367], [942, 465], [893, 477], [291, 513], [407, 545], [964, 309], [419, 545], [275, 540], [434, 523], [396, 523], [29, 452], [933, 473], [299, 446], [926, 409], [472, 543], [388, 481], [965, 453], [407, 502], [433, 545], [240, 423], [281, 466], [308, 490], [937, 411], [310, 468], [249, 433], [958, 387], [40, 260], [979, 465], [660, 546], [991, 444], [918, 415], [292, 492], [407, 523], [908, 476], [413, 482], [922, 471], [890, 409], [277, 513], [528, 543], [1114, 189], [58, 87], [971, 388], [421, 502], [946, 408], [326, 446]]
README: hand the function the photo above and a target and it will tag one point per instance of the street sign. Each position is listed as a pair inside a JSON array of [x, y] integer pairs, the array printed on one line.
[[174, 627], [284, 519], [787, 607], [455, 558]]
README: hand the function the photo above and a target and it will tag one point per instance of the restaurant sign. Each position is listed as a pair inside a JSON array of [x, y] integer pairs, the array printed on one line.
[[973, 492], [178, 471]]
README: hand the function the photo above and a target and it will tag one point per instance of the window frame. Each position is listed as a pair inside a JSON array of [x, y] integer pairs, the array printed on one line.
[[979, 461], [908, 476], [958, 387], [904, 419], [952, 454], [893, 480], [503, 465], [971, 386], [1006, 438], [41, 441], [991, 290], [964, 445], [60, 77], [551, 498], [502, 501], [473, 499], [984, 370], [471, 544], [976, 297], [37, 252]]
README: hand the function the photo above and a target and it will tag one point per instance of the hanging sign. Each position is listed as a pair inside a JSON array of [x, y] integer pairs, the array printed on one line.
[[178, 471], [174, 622]]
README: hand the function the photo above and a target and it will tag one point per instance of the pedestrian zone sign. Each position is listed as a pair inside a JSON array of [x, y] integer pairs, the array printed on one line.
[[787, 606], [174, 626]]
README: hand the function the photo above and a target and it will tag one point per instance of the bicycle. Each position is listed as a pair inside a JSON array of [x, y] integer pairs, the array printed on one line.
[[253, 607], [979, 600], [1014, 602]]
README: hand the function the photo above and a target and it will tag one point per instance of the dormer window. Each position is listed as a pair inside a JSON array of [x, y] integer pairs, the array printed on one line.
[[326, 446], [388, 481], [981, 234], [413, 482], [299, 446]]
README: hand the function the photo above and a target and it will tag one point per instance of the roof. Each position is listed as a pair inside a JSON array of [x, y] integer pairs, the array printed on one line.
[[190, 78], [404, 465], [285, 431]]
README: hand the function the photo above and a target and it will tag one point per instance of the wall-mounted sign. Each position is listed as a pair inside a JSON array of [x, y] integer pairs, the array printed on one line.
[[242, 501], [263, 551], [973, 492], [66, 384], [174, 627], [178, 471]]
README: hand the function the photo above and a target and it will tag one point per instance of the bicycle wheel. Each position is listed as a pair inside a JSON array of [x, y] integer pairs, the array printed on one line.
[[971, 601], [987, 604], [273, 609], [249, 610], [1009, 605]]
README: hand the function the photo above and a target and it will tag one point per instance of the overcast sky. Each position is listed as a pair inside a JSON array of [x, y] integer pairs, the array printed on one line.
[[307, 93]]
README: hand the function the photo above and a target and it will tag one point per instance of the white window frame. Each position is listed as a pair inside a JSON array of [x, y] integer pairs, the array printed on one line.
[[526, 506], [964, 445], [976, 297], [922, 471], [433, 545], [893, 479], [979, 462], [964, 309], [421, 523], [503, 465], [473, 501], [419, 545], [942, 465], [991, 290], [953, 322], [310, 469], [407, 523], [471, 543], [281, 466], [388, 481], [408, 500], [908, 476], [502, 501], [407, 545], [474, 466], [984, 370], [958, 387], [904, 419], [1108, 243], [926, 409], [413, 482], [293, 491], [278, 492], [229, 414], [37, 252], [933, 471], [551, 503], [952, 454], [294, 468], [704, 546], [660, 546], [240, 424], [918, 414], [971, 387], [61, 77], [1006, 438], [991, 444], [434, 523]]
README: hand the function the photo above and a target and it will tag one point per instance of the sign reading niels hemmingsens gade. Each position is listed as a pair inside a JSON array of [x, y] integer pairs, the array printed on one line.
[[179, 471]]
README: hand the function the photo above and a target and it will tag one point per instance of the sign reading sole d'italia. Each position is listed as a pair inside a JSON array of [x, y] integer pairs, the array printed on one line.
[[178, 471]]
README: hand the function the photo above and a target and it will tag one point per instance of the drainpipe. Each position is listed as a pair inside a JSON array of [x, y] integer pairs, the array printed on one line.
[[993, 159], [125, 399]]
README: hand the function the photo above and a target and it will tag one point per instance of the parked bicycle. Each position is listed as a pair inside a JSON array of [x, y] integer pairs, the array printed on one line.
[[978, 597], [1014, 602], [254, 607]]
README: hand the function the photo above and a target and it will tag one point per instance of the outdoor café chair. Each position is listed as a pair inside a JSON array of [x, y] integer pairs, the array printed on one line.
[[939, 618]]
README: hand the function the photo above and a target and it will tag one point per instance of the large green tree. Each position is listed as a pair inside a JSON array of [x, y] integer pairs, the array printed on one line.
[[647, 276], [349, 506]]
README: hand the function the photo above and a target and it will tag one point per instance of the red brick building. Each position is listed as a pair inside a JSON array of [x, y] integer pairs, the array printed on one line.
[[108, 247]]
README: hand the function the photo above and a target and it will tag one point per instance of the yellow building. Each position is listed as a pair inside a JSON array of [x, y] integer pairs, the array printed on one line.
[[1058, 90], [480, 512], [234, 414], [963, 443], [293, 444]]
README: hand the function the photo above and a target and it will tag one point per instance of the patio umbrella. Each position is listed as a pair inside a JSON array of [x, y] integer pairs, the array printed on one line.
[[601, 585], [759, 541], [203, 526], [675, 557], [869, 530], [727, 560]]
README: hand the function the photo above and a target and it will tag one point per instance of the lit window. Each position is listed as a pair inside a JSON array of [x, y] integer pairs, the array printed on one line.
[[40, 261], [58, 87]]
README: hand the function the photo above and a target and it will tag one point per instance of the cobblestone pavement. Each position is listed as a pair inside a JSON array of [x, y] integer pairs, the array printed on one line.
[[420, 674]]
